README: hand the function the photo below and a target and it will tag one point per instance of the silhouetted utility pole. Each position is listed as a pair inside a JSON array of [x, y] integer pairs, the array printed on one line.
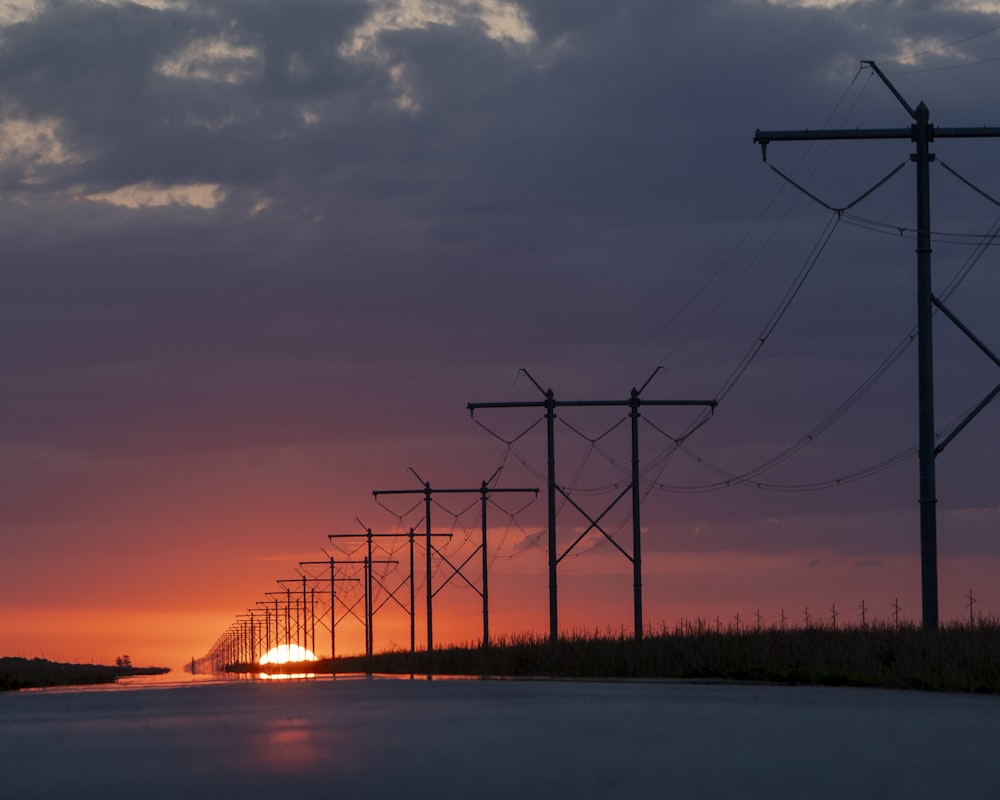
[[484, 491], [334, 580], [369, 562], [428, 492], [922, 133], [267, 623], [549, 403], [287, 594], [246, 648], [300, 619], [349, 609]]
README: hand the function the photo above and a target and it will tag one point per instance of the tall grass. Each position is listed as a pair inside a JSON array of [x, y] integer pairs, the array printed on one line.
[[952, 658]]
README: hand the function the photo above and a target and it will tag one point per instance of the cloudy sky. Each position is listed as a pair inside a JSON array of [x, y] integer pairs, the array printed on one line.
[[258, 256]]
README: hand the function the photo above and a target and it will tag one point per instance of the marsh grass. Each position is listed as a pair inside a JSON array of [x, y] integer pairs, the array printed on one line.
[[955, 657], [35, 673]]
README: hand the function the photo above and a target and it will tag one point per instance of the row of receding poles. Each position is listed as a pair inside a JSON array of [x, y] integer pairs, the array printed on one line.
[[244, 639], [251, 636], [241, 639]]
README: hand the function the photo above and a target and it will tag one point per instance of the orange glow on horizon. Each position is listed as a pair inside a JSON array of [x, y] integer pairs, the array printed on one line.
[[285, 653]]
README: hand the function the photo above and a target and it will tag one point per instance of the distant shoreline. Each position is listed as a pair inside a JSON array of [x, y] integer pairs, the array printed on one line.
[[36, 673]]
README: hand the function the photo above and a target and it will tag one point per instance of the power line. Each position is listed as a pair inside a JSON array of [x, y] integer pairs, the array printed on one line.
[[938, 48]]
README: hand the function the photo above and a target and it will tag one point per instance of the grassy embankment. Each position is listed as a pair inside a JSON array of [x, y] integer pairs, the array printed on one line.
[[34, 673], [958, 658]]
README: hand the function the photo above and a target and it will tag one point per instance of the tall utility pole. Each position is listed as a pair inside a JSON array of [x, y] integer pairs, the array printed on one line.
[[277, 618], [484, 491], [921, 133], [549, 403], [300, 618], [333, 579], [369, 563], [428, 492]]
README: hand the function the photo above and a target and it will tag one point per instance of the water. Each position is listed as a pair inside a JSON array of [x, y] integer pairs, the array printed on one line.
[[373, 738]]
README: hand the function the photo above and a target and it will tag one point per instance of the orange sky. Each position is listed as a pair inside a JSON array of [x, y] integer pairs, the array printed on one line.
[[592, 598]]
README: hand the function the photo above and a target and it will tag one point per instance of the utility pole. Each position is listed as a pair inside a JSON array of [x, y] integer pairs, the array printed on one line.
[[300, 619], [549, 403], [484, 499], [333, 579], [428, 492], [267, 623], [369, 563], [277, 617], [484, 491], [921, 133], [287, 594]]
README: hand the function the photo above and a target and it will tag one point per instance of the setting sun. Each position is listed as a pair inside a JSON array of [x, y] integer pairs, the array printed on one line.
[[286, 653]]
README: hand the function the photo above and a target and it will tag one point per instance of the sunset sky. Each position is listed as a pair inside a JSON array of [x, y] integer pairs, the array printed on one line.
[[258, 256]]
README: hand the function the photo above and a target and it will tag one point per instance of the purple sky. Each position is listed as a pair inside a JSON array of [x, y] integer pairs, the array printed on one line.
[[259, 256]]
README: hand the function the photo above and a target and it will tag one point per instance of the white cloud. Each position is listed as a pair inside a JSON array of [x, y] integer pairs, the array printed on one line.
[[501, 20], [148, 195], [217, 60], [15, 11], [35, 143]]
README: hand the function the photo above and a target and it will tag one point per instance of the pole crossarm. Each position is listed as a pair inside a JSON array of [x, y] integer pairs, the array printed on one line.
[[763, 138], [921, 133]]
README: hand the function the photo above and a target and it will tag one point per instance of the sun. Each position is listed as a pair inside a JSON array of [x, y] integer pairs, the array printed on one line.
[[285, 653]]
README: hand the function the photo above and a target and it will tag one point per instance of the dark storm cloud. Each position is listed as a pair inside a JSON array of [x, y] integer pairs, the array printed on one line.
[[423, 219]]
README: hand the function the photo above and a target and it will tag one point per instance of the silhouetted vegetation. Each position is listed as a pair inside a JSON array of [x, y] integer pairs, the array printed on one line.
[[34, 673], [953, 658]]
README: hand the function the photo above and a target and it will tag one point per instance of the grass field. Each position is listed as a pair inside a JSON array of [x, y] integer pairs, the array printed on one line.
[[954, 657]]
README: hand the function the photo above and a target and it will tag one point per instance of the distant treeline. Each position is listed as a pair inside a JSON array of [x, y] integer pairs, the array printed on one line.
[[952, 658], [34, 673]]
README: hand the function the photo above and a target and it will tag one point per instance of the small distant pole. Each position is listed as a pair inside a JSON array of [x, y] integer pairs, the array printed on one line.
[[833, 615], [972, 601], [737, 621], [895, 611], [864, 614], [808, 618], [784, 619], [758, 620]]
